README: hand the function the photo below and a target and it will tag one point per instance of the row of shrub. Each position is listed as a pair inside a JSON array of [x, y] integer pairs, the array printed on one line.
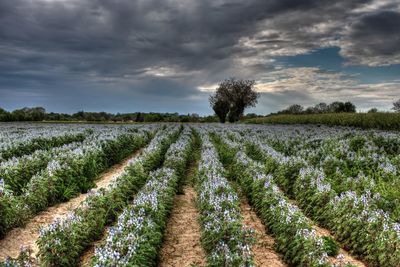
[[42, 143], [223, 236], [39, 114], [62, 181], [351, 160], [61, 243], [17, 172], [294, 234], [354, 219], [360, 164], [136, 238]]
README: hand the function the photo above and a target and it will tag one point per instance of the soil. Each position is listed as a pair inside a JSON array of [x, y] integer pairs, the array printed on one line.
[[181, 246], [27, 235], [263, 249]]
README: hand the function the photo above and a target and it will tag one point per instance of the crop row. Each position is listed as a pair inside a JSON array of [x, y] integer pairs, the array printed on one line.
[[344, 179], [362, 167], [293, 231], [136, 238], [14, 146], [354, 162], [354, 218], [224, 238], [62, 242], [16, 172], [67, 175]]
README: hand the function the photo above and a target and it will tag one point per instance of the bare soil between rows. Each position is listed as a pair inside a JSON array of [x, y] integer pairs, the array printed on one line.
[[263, 250], [26, 236], [181, 246]]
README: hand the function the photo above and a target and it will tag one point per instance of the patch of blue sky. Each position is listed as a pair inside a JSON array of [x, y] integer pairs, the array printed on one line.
[[329, 59]]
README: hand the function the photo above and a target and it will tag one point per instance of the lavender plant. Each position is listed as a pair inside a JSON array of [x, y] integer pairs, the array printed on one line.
[[67, 175], [137, 237], [224, 237], [296, 239], [62, 242]]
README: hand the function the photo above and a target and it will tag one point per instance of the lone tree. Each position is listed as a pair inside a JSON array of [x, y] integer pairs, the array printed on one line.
[[232, 98], [220, 108], [396, 106]]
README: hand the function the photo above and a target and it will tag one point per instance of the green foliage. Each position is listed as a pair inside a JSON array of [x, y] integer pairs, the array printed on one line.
[[41, 143], [353, 219], [295, 248], [275, 210], [232, 98], [378, 120], [105, 206], [64, 183], [357, 143], [330, 246], [102, 209], [224, 238], [254, 151], [391, 145], [149, 238], [39, 114], [226, 155], [286, 175]]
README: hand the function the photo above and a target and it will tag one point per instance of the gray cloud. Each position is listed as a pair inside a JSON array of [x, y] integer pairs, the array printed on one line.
[[309, 86], [374, 39], [166, 50], [129, 35]]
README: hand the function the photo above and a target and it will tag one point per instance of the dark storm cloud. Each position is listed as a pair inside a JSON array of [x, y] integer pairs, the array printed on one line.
[[167, 49], [129, 35], [374, 39]]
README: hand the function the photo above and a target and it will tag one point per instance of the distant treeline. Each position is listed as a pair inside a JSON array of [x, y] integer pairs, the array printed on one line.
[[334, 114], [40, 114], [321, 108]]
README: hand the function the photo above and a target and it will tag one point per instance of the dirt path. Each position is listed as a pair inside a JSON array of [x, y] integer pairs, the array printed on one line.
[[263, 249], [181, 246], [27, 236]]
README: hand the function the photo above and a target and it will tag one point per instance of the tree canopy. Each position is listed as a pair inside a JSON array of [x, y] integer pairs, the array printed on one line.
[[334, 107], [396, 106], [232, 98], [40, 114]]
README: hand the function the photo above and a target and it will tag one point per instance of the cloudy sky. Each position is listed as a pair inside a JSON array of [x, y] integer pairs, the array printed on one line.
[[168, 55]]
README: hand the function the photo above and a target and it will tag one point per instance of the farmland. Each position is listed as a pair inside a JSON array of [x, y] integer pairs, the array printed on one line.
[[169, 194], [373, 120]]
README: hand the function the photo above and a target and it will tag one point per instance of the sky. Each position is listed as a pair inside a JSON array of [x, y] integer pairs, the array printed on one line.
[[169, 55]]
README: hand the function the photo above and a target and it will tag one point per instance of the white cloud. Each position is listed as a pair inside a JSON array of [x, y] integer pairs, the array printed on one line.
[[323, 86], [208, 87]]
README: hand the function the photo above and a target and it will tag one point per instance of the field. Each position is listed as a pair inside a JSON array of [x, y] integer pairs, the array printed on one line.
[[198, 195], [375, 120]]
